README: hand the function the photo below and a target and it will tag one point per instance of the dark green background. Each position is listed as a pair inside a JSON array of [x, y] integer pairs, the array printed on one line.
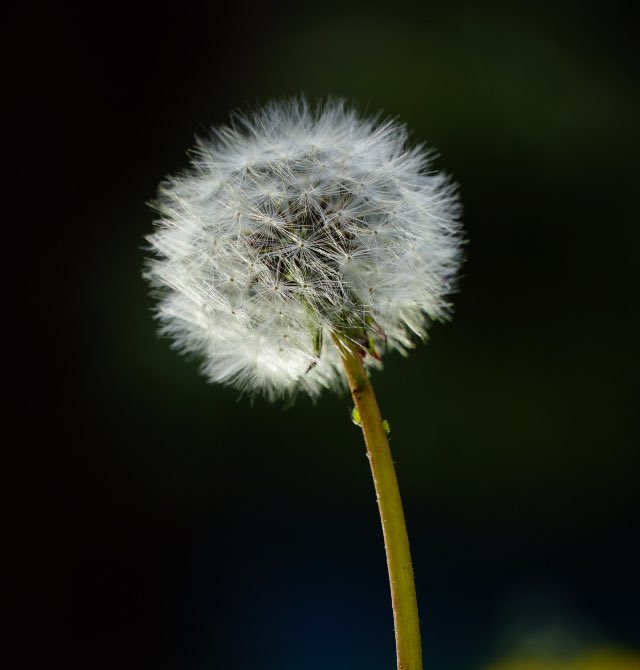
[[159, 522]]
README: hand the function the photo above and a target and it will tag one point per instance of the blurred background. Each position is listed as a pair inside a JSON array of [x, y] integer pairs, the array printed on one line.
[[156, 521]]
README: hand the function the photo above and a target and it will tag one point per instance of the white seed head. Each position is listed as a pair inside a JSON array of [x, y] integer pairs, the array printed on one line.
[[293, 224]]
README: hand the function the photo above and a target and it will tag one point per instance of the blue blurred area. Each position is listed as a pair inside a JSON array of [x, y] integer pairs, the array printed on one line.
[[160, 522]]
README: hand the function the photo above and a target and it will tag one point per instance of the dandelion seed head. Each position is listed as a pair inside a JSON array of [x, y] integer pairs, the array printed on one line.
[[292, 224]]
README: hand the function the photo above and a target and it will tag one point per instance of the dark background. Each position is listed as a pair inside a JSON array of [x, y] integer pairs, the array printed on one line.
[[155, 521]]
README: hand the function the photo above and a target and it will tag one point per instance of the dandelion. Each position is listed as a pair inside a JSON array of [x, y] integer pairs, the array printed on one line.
[[301, 245], [292, 227]]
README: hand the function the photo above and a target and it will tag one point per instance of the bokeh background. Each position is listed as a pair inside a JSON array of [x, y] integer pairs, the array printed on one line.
[[156, 521]]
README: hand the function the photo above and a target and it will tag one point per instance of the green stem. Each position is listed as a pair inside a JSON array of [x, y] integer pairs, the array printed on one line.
[[394, 529]]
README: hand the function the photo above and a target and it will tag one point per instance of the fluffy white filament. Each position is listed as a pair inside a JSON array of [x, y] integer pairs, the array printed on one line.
[[292, 224]]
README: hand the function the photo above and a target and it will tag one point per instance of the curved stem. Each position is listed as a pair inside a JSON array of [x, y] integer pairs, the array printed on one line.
[[396, 541]]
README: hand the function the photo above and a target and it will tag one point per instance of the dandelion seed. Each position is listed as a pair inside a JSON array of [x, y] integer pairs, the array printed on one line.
[[308, 223]]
